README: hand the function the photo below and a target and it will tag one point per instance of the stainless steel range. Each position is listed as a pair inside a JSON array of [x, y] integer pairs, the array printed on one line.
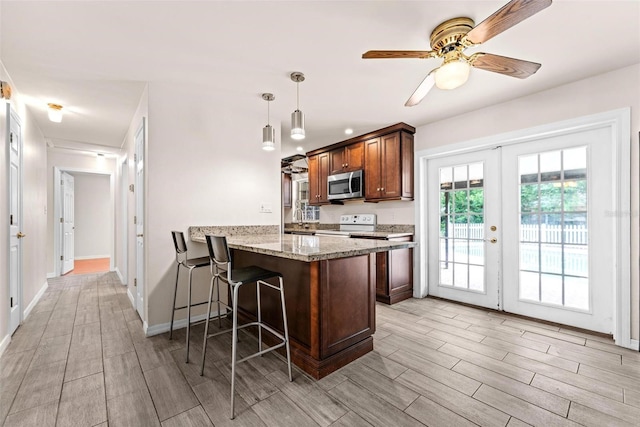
[[351, 223]]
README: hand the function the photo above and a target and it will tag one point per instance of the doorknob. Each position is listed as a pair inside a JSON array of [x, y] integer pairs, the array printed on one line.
[[493, 240], [140, 235], [20, 235]]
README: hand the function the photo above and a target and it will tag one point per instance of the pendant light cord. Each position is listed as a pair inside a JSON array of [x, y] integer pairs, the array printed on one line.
[[298, 96]]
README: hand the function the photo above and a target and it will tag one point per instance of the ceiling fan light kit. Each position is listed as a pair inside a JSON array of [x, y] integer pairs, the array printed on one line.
[[449, 40], [297, 117], [268, 132]]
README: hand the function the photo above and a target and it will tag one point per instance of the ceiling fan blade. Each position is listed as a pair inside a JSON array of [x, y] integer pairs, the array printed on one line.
[[504, 65], [422, 89], [509, 15], [384, 54]]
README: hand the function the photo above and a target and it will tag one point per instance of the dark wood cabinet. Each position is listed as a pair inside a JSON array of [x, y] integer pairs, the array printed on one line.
[[385, 155], [318, 173], [286, 190], [394, 274], [388, 167], [347, 159]]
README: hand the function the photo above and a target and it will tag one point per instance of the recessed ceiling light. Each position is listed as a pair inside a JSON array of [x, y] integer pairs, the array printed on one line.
[[299, 148], [348, 131]]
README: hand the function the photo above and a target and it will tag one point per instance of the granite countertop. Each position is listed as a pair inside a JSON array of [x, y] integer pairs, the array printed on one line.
[[308, 248], [372, 234]]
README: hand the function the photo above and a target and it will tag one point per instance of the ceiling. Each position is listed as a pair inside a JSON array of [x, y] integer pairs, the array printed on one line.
[[95, 58]]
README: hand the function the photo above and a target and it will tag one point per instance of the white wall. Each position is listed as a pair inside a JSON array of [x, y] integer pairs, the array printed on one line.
[[34, 205], [72, 161], [613, 90], [205, 166], [93, 216]]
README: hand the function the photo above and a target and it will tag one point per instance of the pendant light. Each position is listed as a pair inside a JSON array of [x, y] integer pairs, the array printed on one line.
[[297, 117], [268, 132]]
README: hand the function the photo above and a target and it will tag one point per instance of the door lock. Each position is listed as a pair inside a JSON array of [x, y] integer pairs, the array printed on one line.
[[494, 240], [494, 228]]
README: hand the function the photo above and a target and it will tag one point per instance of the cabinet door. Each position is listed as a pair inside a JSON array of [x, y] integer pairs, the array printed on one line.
[[323, 173], [372, 154], [354, 157], [286, 190], [391, 166], [336, 161], [314, 183]]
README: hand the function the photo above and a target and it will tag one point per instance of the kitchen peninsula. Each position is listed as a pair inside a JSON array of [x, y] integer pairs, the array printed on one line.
[[330, 291]]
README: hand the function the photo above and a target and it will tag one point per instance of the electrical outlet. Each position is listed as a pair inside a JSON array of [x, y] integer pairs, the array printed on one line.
[[265, 207]]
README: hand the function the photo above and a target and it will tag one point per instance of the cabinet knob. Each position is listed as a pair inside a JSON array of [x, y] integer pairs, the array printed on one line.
[[378, 189], [382, 189], [346, 165]]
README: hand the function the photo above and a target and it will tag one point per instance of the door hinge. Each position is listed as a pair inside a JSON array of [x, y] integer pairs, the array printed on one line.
[[11, 303], [135, 158], [131, 187], [61, 182], [61, 220], [61, 258], [135, 219], [135, 282], [11, 219], [11, 141]]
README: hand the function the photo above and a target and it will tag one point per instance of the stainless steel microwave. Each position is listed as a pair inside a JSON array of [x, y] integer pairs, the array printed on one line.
[[348, 185]]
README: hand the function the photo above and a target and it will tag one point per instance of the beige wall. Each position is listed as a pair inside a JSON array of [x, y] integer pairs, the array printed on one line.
[[93, 219], [613, 90], [34, 204]]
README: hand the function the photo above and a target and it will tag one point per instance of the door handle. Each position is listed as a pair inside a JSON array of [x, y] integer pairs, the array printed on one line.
[[140, 235], [492, 240], [20, 235]]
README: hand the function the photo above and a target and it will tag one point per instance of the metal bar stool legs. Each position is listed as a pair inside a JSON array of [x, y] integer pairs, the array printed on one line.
[[220, 256]]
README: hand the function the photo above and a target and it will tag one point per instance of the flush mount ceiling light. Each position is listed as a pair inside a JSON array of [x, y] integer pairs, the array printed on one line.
[[348, 131], [268, 132], [5, 91], [297, 117], [55, 112]]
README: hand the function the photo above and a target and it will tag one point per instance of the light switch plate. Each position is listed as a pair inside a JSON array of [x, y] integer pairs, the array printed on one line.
[[265, 207]]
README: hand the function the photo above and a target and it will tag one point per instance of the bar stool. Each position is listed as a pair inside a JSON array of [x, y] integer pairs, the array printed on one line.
[[190, 264], [234, 278]]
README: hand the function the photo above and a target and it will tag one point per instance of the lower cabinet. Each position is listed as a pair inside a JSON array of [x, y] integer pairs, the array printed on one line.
[[394, 274]]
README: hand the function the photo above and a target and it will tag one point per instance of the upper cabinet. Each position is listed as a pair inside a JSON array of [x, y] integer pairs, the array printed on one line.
[[385, 155], [389, 167], [318, 173], [347, 159]]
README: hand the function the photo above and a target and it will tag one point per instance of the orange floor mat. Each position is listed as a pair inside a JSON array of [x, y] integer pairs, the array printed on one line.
[[86, 266]]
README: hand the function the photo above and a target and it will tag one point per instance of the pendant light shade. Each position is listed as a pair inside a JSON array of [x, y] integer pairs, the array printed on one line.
[[268, 132], [297, 117]]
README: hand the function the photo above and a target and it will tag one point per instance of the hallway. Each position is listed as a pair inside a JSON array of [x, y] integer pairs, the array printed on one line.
[[81, 359]]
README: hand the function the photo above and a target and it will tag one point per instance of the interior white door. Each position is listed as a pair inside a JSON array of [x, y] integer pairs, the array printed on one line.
[[139, 193], [15, 220], [68, 223], [559, 258], [464, 228]]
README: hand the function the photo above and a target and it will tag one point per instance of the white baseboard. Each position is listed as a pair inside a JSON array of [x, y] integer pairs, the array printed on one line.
[[35, 300], [120, 276], [81, 258], [4, 344], [635, 344], [131, 298], [51, 275], [150, 331]]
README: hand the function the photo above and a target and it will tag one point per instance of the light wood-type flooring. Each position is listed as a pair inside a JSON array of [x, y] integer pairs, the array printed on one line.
[[81, 359]]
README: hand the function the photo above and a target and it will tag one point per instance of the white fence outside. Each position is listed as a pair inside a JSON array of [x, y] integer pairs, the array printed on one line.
[[573, 234]]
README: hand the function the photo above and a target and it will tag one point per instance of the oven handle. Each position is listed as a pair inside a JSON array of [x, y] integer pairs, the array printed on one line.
[[350, 179]]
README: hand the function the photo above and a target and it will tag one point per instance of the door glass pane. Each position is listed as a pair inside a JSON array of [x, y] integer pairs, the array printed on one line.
[[462, 243], [554, 249]]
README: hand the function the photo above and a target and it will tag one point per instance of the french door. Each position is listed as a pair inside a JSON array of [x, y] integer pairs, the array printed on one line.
[[464, 228], [527, 228]]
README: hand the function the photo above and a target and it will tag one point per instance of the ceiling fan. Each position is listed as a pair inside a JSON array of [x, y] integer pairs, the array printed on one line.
[[450, 39]]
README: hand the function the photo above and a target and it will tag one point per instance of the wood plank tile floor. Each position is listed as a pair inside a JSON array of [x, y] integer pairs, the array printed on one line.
[[81, 359]]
